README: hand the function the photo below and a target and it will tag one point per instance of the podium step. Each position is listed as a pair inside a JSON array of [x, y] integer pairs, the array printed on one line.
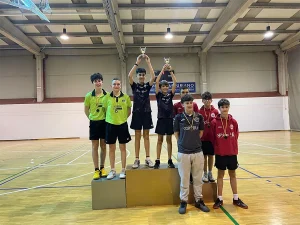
[[147, 186], [108, 194]]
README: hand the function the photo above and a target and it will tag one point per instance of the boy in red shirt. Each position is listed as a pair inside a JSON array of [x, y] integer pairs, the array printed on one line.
[[225, 139], [208, 112], [178, 107]]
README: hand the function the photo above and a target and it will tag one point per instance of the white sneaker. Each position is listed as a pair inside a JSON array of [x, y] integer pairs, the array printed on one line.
[[136, 164], [211, 178], [123, 174], [149, 163], [205, 178], [111, 175]]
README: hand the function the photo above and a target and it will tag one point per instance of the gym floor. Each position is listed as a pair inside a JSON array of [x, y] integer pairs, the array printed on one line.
[[48, 182]]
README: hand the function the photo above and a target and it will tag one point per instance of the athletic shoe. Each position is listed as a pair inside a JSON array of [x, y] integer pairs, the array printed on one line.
[[240, 203], [170, 164], [111, 175], [218, 203], [149, 163], [210, 177], [200, 205], [96, 175], [205, 177], [103, 172], [182, 207], [136, 164], [157, 164], [123, 174]]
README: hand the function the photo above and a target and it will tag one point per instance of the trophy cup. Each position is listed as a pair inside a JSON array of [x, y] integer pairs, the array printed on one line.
[[167, 61], [143, 50]]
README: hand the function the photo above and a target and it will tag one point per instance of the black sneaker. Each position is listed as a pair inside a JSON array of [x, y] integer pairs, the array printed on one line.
[[182, 207], [218, 203], [170, 164], [240, 203], [200, 205], [157, 163]]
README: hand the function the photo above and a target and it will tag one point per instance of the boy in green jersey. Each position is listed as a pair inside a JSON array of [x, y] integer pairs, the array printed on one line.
[[93, 108], [118, 108]]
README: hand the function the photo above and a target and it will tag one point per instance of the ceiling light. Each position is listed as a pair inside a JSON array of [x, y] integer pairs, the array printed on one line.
[[269, 33], [169, 35], [64, 35]]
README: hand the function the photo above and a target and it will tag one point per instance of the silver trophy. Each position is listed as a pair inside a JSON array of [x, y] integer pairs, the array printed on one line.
[[143, 50], [167, 61]]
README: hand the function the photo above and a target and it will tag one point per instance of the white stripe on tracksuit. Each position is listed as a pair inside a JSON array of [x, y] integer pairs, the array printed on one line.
[[188, 163]]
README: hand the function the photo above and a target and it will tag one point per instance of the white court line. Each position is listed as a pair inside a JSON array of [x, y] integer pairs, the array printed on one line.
[[278, 149], [78, 157], [46, 165], [57, 182], [252, 153]]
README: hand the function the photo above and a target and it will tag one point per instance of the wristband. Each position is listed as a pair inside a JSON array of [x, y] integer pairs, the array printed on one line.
[[136, 64]]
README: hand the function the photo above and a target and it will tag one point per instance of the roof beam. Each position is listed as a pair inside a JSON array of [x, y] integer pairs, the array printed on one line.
[[58, 6], [13, 33], [149, 34], [113, 17], [93, 6], [268, 20], [161, 45], [124, 22], [231, 13], [291, 42], [275, 6], [152, 21]]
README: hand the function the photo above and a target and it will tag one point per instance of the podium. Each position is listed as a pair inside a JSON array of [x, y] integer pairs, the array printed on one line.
[[108, 194], [145, 187], [148, 187]]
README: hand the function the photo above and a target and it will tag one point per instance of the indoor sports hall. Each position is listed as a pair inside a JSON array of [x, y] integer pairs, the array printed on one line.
[[247, 51]]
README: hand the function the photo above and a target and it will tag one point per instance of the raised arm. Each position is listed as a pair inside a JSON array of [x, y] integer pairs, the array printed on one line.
[[132, 71], [152, 78], [174, 81], [158, 78]]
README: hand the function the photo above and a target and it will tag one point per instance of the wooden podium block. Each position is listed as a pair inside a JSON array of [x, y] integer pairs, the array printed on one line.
[[209, 192], [108, 194], [147, 187]]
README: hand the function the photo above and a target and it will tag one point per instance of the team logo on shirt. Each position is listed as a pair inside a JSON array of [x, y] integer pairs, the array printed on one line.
[[117, 108], [213, 115], [196, 119], [220, 135], [123, 100], [231, 126]]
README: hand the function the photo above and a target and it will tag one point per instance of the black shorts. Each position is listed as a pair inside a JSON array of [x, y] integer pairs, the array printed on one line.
[[97, 129], [141, 121], [226, 162], [117, 131], [164, 126], [207, 148]]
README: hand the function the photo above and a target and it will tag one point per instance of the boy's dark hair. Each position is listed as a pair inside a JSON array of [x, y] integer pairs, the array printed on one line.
[[187, 98], [206, 96], [223, 102], [183, 88], [115, 79], [140, 70], [163, 83], [96, 76]]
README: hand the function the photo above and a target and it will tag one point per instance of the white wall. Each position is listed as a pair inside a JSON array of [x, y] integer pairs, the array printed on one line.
[[241, 72], [62, 120], [17, 77], [69, 76]]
